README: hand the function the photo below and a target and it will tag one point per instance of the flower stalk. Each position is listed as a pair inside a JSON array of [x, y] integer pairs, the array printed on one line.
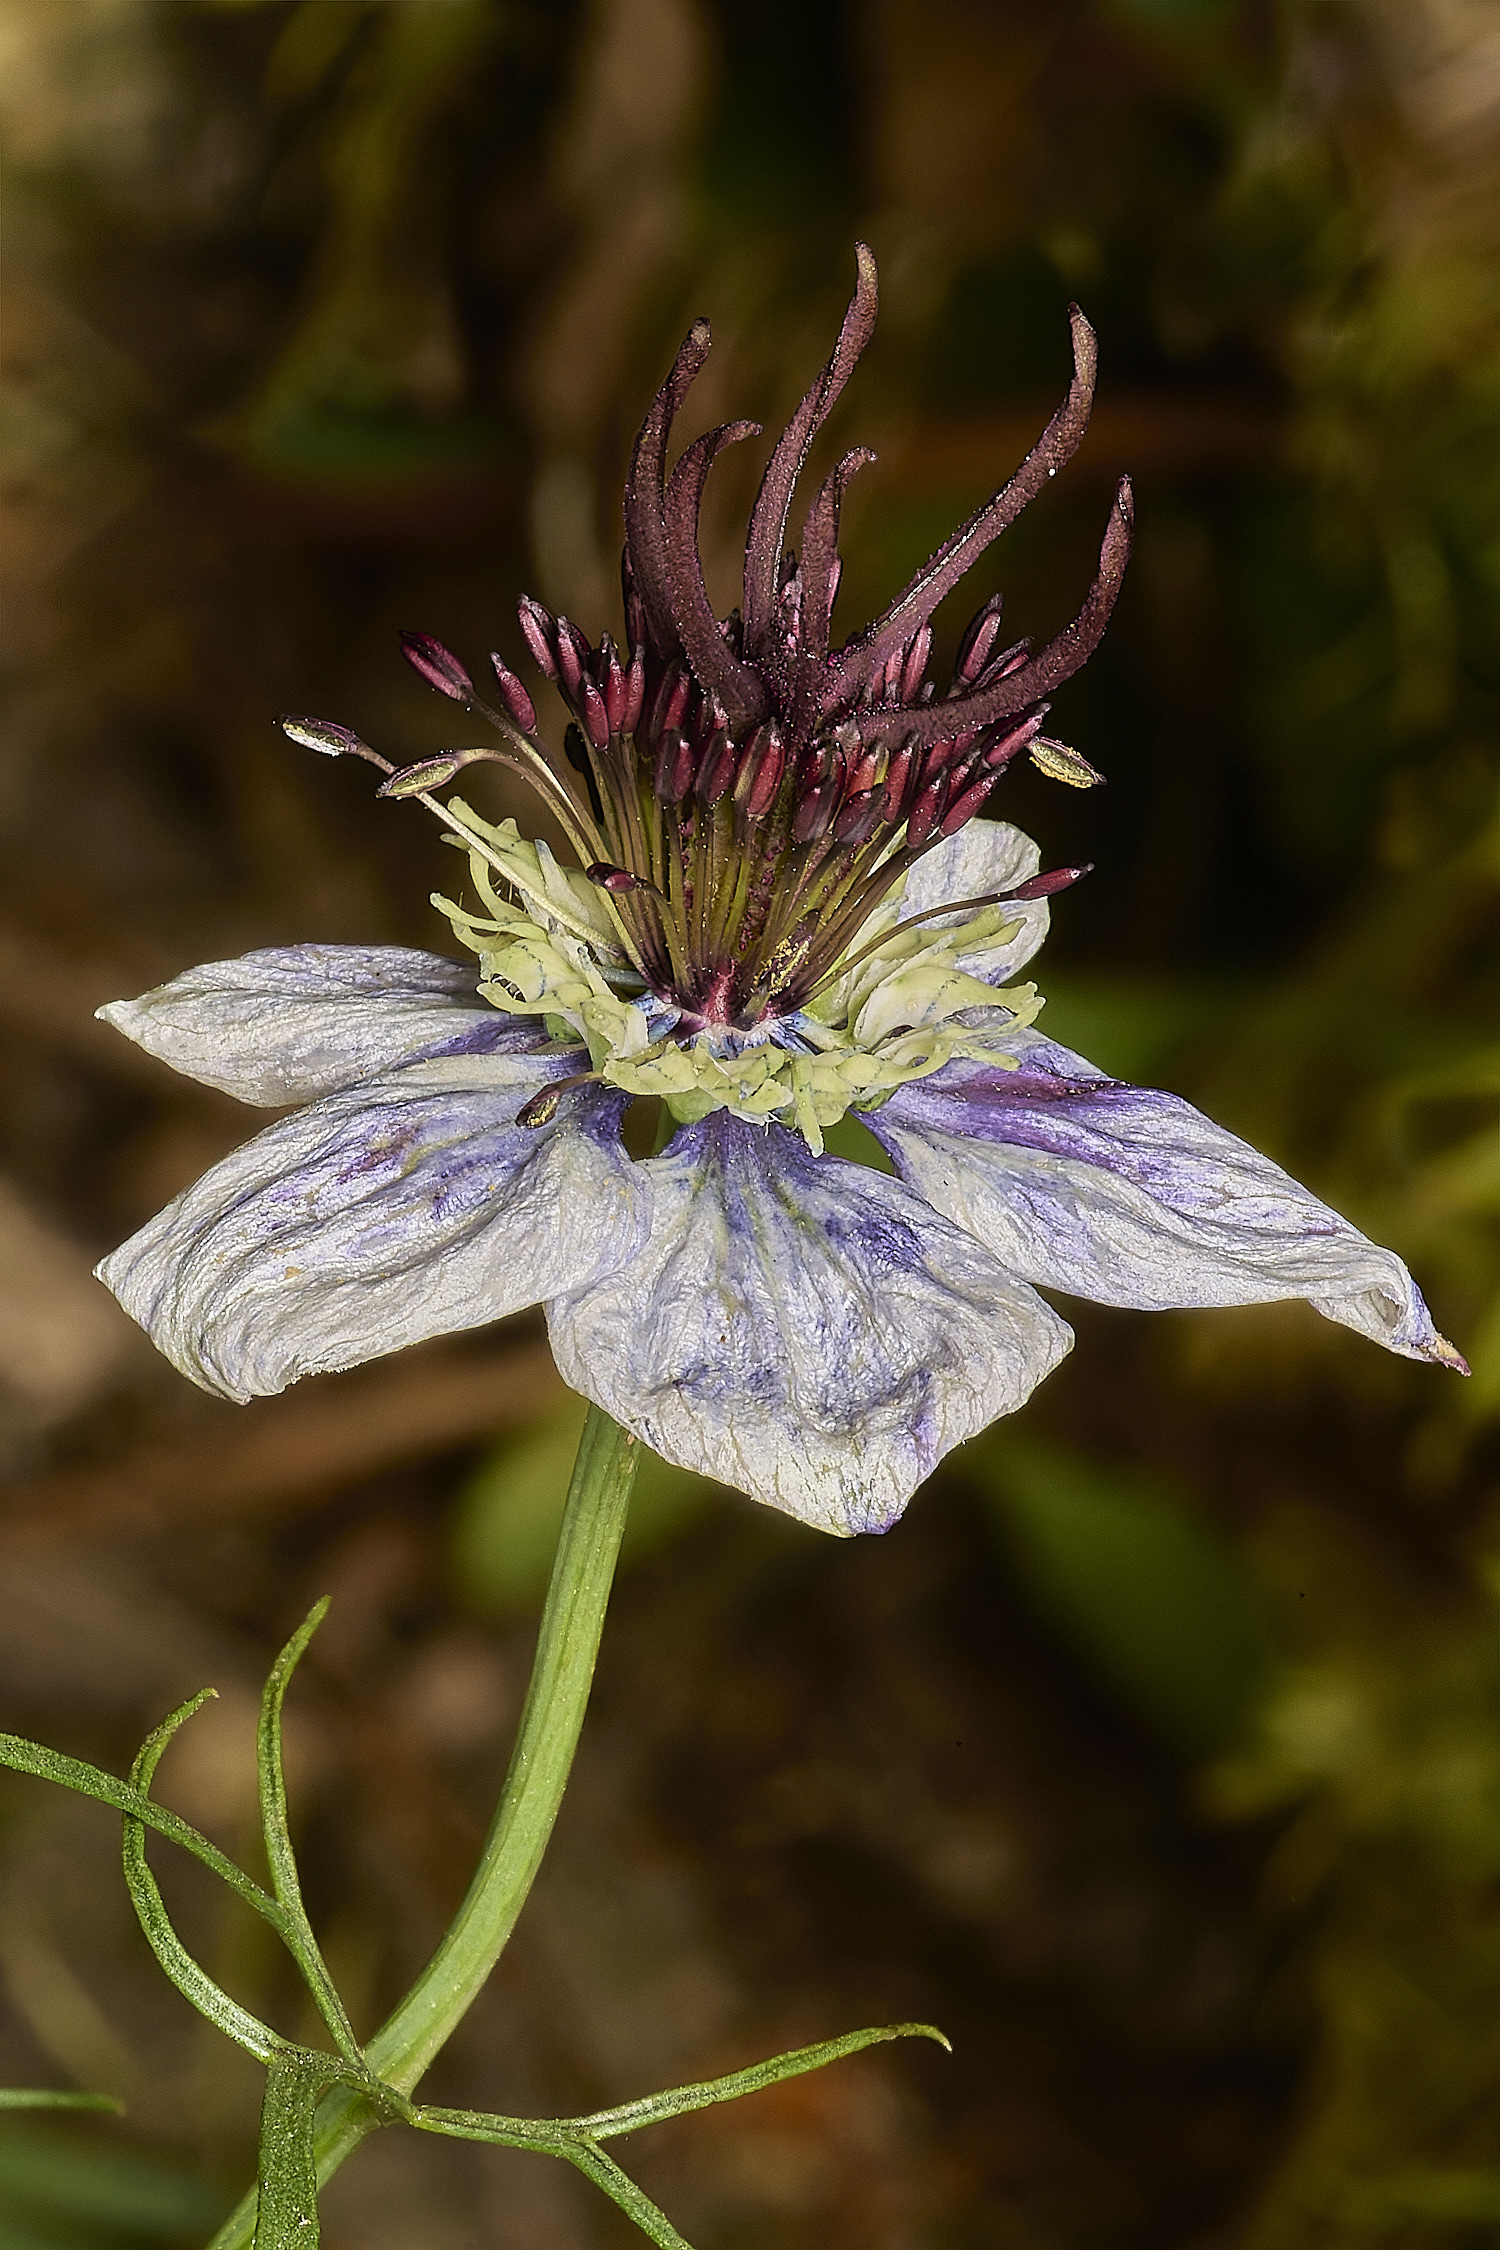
[[319, 2104], [562, 1673]]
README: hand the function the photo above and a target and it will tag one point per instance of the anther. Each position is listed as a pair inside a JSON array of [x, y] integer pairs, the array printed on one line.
[[716, 772], [1055, 880], [814, 812], [926, 812], [684, 759], [934, 762], [761, 772], [980, 637], [431, 773], [965, 805], [896, 776], [914, 668], [854, 823], [670, 703], [1000, 667], [611, 878], [571, 651], [517, 702], [538, 632], [438, 666], [1010, 739], [635, 691], [595, 713], [612, 683], [1060, 763], [543, 1107], [708, 720], [328, 738], [674, 768], [812, 767]]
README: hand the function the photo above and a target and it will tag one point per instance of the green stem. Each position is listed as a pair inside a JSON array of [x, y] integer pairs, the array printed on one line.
[[561, 1675]]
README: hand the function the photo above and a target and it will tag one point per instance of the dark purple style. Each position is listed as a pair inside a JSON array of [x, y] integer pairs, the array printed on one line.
[[745, 792]]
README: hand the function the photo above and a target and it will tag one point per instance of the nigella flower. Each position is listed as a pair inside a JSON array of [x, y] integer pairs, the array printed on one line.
[[784, 908]]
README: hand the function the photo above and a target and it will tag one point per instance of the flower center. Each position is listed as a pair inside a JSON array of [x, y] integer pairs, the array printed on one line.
[[746, 801], [903, 1000], [737, 866]]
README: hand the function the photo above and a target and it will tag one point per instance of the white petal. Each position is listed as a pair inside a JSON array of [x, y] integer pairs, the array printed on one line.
[[296, 1021], [985, 856], [802, 1328], [1135, 1198], [381, 1215]]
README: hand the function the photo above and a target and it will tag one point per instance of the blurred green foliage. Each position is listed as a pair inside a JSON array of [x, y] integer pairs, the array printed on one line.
[[58, 2192], [1146, 1588], [508, 1512]]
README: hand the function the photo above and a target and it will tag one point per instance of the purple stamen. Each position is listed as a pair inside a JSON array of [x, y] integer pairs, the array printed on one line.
[[328, 738], [747, 794], [438, 667], [635, 691], [539, 633], [513, 695], [979, 638], [571, 650], [1048, 885], [593, 711], [618, 879]]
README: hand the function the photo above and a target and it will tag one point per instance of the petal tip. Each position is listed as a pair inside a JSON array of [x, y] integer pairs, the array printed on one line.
[[1445, 1354]]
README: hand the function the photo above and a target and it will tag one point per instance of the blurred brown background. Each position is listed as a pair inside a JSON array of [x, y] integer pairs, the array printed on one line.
[[1155, 1754]]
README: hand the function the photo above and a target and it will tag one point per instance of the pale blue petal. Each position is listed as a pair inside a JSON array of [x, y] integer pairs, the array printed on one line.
[[985, 856], [381, 1215], [804, 1329], [296, 1021], [1135, 1198]]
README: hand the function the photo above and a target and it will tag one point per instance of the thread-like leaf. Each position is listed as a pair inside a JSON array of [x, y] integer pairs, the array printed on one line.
[[276, 1830], [621, 2189], [39, 2097], [650, 2109], [194, 1983], [555, 2137], [36, 1759], [545, 2136], [577, 2138]]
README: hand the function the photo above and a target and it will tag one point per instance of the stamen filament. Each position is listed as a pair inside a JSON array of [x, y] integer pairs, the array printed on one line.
[[912, 922]]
